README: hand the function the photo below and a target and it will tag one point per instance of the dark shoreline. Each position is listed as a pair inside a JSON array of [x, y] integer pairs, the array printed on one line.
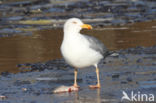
[[20, 16]]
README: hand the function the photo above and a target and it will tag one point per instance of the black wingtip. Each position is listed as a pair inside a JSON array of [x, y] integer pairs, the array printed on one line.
[[108, 53]]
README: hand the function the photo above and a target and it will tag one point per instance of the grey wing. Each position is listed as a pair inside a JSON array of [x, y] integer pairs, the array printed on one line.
[[97, 45]]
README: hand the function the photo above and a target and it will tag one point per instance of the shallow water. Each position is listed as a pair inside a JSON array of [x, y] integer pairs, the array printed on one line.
[[132, 70], [43, 45]]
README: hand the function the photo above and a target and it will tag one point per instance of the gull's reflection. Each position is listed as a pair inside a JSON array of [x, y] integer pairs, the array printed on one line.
[[98, 96], [76, 98], [95, 99]]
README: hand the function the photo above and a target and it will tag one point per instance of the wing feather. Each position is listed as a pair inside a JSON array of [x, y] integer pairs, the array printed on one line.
[[97, 45]]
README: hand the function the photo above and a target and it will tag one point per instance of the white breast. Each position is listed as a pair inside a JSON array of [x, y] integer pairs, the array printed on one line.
[[76, 52]]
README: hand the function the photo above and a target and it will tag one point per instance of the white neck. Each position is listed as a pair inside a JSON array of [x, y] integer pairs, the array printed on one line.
[[71, 33]]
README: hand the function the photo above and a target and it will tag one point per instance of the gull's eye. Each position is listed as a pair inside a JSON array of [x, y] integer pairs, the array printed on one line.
[[74, 22]]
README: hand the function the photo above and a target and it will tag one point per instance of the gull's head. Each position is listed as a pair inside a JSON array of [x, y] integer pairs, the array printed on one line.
[[75, 25]]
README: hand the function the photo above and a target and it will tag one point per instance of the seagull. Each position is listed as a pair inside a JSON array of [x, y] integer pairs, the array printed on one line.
[[80, 50]]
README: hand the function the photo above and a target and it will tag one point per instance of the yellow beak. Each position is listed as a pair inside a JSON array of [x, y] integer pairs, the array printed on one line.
[[86, 26]]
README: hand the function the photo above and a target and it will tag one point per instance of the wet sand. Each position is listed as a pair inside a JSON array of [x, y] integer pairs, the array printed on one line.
[[126, 72]]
